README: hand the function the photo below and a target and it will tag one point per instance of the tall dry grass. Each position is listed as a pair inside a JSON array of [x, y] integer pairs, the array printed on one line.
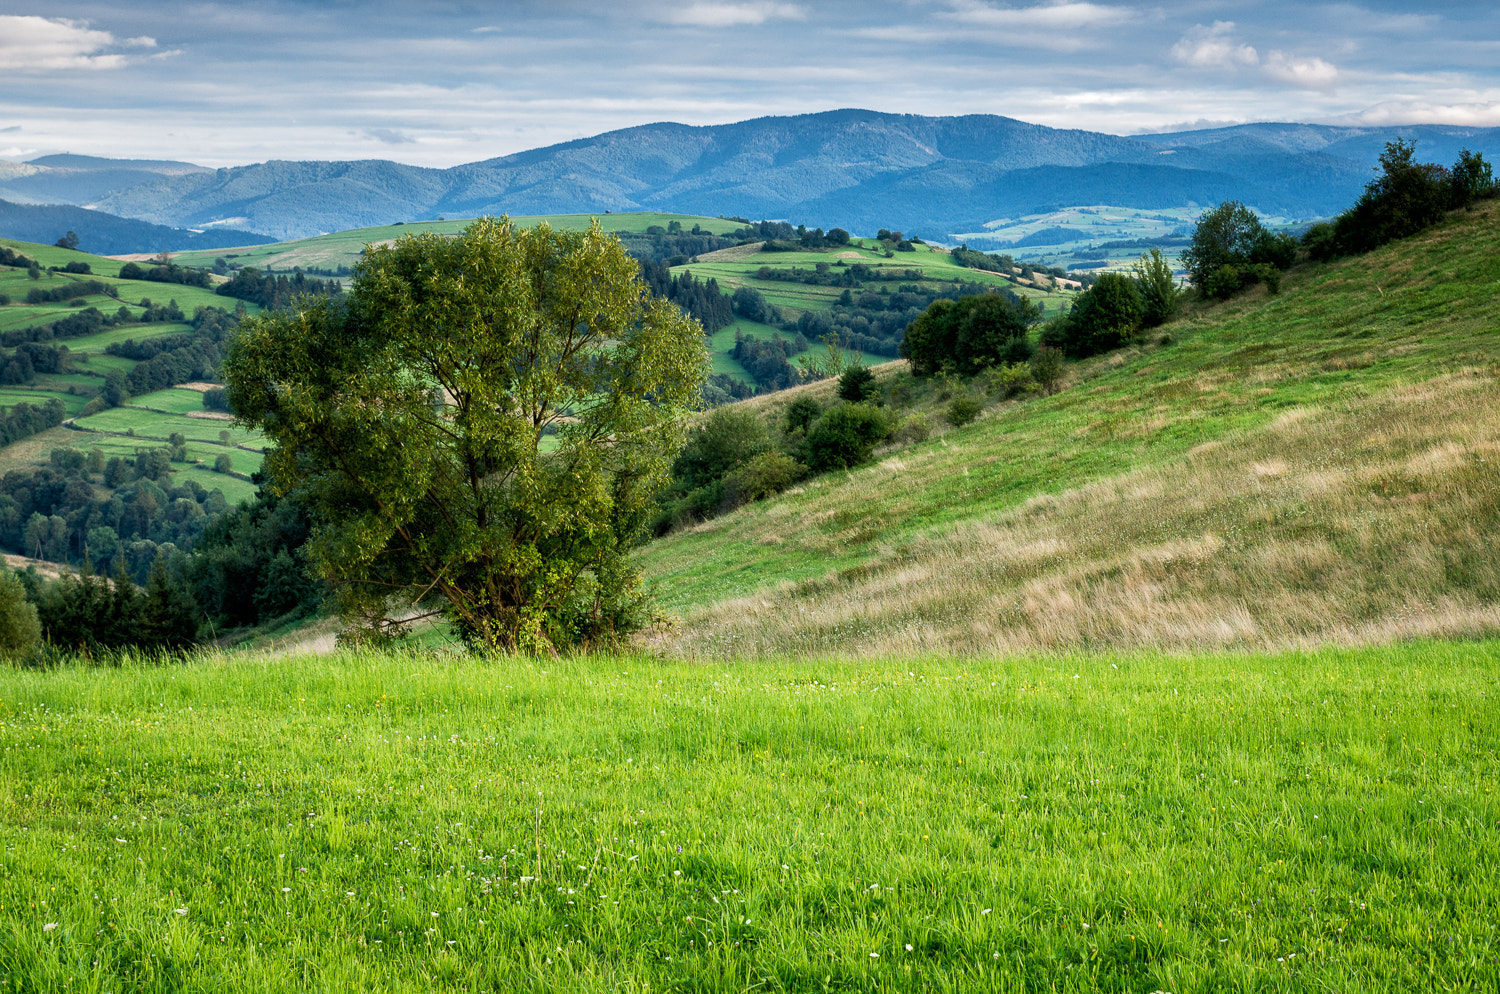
[[1369, 521]]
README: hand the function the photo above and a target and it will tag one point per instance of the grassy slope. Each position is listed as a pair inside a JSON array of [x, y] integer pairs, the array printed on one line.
[[1304, 822], [1312, 466], [344, 248], [90, 364]]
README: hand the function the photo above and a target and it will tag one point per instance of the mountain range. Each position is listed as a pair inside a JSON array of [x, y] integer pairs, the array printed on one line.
[[856, 169]]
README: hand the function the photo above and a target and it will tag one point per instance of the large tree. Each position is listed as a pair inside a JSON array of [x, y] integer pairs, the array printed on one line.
[[479, 427]]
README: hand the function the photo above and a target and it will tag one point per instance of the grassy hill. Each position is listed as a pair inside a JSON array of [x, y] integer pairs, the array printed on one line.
[[144, 422], [1312, 467]]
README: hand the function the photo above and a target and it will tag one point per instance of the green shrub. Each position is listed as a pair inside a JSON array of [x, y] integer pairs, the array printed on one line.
[[1047, 368], [800, 415], [846, 436], [20, 631], [223, 464], [857, 385], [726, 438], [1011, 379], [913, 429], [963, 409], [763, 476]]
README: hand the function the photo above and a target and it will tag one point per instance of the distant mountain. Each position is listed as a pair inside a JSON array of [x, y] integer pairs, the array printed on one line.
[[79, 179], [106, 234], [852, 168]]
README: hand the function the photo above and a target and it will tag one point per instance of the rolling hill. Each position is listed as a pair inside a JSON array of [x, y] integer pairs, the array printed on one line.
[[1279, 471], [855, 168]]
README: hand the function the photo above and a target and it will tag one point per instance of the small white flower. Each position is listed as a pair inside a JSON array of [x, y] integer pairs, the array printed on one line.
[[348, 893], [286, 890], [675, 873], [49, 926], [908, 947], [180, 911], [986, 911], [874, 955], [434, 914]]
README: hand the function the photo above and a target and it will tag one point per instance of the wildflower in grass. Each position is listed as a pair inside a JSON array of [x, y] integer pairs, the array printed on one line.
[[49, 926]]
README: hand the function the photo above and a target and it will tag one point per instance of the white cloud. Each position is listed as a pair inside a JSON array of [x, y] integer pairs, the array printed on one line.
[[1482, 114], [1213, 47], [1310, 73], [1062, 15], [732, 15], [40, 44]]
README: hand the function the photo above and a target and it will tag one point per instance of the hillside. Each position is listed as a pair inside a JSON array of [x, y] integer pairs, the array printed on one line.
[[859, 169], [1308, 468]]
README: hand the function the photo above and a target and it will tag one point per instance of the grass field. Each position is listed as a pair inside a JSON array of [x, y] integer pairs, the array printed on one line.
[[344, 248], [1301, 822], [1313, 466]]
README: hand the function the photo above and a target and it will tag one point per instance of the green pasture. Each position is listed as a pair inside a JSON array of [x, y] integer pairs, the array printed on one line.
[[99, 364], [51, 255], [235, 490], [36, 396], [345, 247], [1323, 821], [150, 425], [86, 382], [110, 336], [172, 401]]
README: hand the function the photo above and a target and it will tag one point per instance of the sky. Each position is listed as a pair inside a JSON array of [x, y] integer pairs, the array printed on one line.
[[438, 84]]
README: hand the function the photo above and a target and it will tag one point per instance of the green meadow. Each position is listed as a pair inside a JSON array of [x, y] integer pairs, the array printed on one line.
[[344, 248], [1296, 822]]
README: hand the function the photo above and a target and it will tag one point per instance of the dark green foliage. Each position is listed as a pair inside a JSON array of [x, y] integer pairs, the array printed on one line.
[[767, 361], [1160, 296], [857, 384], [223, 463], [762, 476], [1047, 368], [1471, 179], [272, 292], [69, 291], [989, 262], [20, 632], [1321, 241], [166, 272], [1104, 317], [727, 437], [1406, 198], [24, 420], [800, 415], [249, 565], [1232, 250], [962, 409], [90, 614], [845, 436], [700, 299], [751, 305], [970, 334]]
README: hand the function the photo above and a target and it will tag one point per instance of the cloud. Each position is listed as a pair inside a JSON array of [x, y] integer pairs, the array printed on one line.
[[40, 44], [1212, 47], [1309, 73], [390, 136], [730, 15], [1482, 114], [1054, 15]]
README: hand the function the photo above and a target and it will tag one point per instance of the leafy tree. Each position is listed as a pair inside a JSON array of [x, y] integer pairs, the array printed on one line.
[[19, 629], [1471, 179], [68, 241], [1160, 296], [482, 427], [970, 334], [800, 415], [726, 438], [1224, 236], [1105, 316]]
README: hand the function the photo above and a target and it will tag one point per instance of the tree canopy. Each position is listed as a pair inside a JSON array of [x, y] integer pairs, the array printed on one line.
[[479, 427]]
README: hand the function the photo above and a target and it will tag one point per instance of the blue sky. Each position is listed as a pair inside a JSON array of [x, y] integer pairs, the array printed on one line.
[[438, 84]]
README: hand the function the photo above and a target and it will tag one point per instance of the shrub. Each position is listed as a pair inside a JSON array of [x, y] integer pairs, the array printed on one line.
[[1047, 368], [1105, 316], [1321, 241], [963, 409], [800, 415], [857, 385], [765, 475], [913, 428], [223, 464], [845, 436], [1011, 379], [725, 439]]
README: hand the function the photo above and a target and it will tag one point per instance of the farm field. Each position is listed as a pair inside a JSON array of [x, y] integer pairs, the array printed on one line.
[[1310, 466], [344, 248], [1307, 821]]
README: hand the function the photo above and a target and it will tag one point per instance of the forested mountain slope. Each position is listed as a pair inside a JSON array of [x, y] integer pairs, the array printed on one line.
[[852, 168]]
